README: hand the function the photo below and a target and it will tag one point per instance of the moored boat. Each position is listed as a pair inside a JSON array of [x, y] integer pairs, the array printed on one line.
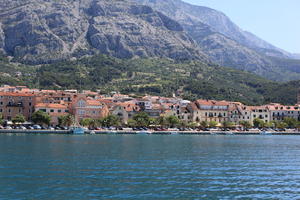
[[77, 130]]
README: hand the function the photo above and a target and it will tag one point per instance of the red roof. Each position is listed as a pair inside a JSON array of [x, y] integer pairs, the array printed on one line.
[[212, 103], [51, 105], [16, 94]]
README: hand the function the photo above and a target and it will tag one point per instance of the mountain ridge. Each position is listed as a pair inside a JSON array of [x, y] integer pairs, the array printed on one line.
[[48, 30], [41, 32]]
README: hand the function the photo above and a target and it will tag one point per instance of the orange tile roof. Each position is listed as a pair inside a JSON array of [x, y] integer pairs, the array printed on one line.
[[129, 107], [16, 94], [212, 102], [93, 103], [51, 105]]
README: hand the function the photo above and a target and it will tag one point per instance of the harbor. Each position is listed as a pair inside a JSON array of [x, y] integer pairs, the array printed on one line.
[[121, 132]]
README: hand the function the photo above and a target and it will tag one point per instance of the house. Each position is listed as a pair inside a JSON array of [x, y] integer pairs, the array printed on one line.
[[279, 112], [260, 112], [239, 112], [83, 107], [210, 110], [54, 110], [15, 103], [125, 111]]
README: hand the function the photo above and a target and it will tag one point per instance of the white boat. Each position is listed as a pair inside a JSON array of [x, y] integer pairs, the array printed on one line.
[[77, 130], [265, 133]]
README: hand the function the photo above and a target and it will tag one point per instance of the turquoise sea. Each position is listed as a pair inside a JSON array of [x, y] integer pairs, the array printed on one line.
[[149, 167]]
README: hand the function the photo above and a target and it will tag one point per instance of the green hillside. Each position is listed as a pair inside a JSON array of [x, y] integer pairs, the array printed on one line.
[[190, 79]]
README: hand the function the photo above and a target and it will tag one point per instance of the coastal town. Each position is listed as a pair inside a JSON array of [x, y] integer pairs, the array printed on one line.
[[88, 107]]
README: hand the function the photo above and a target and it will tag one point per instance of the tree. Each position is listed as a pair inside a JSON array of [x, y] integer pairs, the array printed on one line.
[[88, 122], [213, 124], [173, 121], [291, 122], [161, 121], [110, 121], [227, 124], [1, 119], [269, 125], [19, 119], [258, 123], [66, 120], [191, 124], [282, 125], [245, 124], [204, 124], [142, 119], [40, 117], [132, 123]]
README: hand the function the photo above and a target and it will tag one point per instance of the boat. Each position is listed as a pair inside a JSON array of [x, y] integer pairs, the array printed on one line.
[[144, 132], [229, 133], [77, 130], [265, 133]]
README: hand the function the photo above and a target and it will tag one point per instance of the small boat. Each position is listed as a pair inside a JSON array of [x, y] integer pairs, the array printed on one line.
[[143, 132], [229, 133], [77, 130], [265, 133]]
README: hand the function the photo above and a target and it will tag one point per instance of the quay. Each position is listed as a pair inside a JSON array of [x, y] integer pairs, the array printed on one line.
[[105, 132]]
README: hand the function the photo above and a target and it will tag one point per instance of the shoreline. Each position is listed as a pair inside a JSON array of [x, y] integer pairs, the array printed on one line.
[[105, 132]]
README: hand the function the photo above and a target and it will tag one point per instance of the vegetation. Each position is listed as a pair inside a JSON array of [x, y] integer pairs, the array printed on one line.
[[110, 121], [213, 124], [245, 124], [18, 119], [188, 79], [1, 119], [66, 120], [41, 118], [258, 123]]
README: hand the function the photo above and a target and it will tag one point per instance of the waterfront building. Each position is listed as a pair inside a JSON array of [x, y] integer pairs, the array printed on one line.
[[279, 112], [83, 107], [260, 112], [125, 111], [15, 103], [210, 110], [239, 112], [54, 110]]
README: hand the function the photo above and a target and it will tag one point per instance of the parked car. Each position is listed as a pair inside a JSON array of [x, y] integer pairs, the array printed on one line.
[[51, 128], [37, 127]]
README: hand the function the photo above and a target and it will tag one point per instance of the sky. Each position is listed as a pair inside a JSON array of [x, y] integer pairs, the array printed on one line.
[[275, 21]]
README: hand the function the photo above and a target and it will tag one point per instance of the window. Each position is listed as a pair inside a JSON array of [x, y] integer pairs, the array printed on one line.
[[81, 112], [0, 110], [9, 110], [59, 111], [30, 103], [1, 103], [81, 103], [52, 110]]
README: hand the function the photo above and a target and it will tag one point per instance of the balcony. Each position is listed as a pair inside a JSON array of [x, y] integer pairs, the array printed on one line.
[[13, 104]]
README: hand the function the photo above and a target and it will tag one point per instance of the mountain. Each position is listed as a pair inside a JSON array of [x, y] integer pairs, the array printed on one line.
[[39, 31], [49, 31], [225, 43]]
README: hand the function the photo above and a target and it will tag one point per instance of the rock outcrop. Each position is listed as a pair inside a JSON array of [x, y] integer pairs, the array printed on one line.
[[44, 31]]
